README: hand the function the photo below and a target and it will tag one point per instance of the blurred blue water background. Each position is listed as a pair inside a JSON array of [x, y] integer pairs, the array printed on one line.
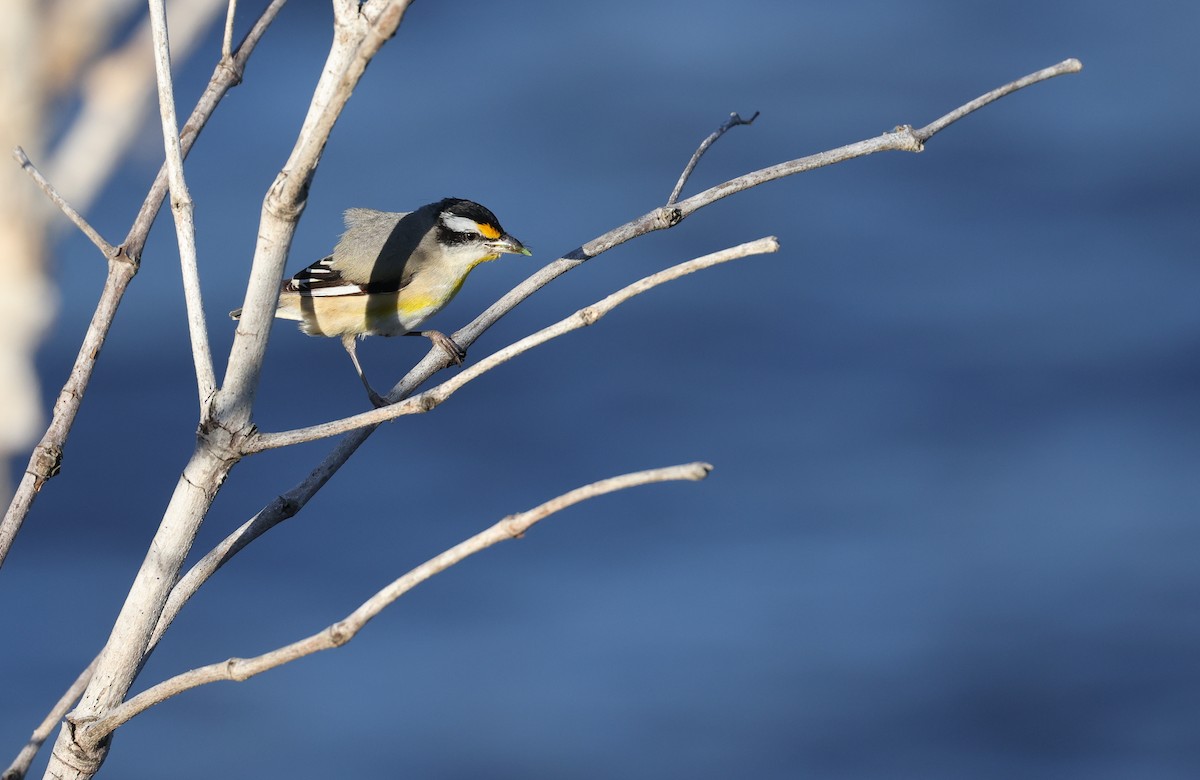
[[952, 530]]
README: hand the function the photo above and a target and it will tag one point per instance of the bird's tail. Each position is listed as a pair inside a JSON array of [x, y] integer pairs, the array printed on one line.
[[289, 309]]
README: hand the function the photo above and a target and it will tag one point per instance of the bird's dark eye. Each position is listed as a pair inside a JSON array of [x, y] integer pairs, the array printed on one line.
[[449, 237], [455, 227]]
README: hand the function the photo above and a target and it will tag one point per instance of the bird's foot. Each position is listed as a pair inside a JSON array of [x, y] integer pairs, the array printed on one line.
[[456, 353]]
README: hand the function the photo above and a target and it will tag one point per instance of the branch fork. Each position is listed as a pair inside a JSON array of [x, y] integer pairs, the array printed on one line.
[[339, 633]]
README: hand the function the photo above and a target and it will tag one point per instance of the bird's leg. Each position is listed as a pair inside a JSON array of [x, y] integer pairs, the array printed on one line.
[[456, 353], [349, 341]]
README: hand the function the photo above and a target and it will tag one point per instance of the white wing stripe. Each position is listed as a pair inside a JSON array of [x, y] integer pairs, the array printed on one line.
[[326, 292]]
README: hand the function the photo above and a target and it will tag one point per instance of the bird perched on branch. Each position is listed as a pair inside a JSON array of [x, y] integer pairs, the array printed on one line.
[[390, 272]]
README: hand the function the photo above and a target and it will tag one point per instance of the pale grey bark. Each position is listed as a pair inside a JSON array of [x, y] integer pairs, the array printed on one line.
[[52, 51], [358, 35], [182, 207], [122, 266], [341, 632]]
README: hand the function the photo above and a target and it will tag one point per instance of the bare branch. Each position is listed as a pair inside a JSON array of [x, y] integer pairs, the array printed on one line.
[[289, 503], [182, 208], [338, 634], [226, 75], [1066, 66], [901, 139], [733, 121], [47, 455], [359, 36], [344, 10], [434, 397], [106, 249], [217, 448], [227, 41]]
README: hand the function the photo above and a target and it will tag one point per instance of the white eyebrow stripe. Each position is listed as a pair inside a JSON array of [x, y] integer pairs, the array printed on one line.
[[459, 224]]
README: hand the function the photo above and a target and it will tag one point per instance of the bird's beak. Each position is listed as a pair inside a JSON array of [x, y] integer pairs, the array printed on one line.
[[507, 243]]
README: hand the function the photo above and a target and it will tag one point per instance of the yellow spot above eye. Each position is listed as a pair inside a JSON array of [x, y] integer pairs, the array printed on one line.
[[488, 231]]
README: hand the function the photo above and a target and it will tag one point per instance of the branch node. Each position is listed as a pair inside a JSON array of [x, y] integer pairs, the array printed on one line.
[[226, 444], [46, 462], [233, 69], [281, 203], [287, 506], [734, 120], [588, 315], [78, 754], [667, 217], [513, 526], [121, 256], [340, 633], [913, 141]]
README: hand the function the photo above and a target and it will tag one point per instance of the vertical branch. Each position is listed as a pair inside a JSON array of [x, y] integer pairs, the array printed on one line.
[[362, 31], [182, 209], [357, 38], [227, 42], [122, 266]]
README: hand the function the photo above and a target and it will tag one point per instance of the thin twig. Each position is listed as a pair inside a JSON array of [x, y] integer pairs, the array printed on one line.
[[1066, 66], [434, 397], [733, 121], [227, 41], [338, 634], [106, 249], [182, 209], [901, 139], [226, 75]]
